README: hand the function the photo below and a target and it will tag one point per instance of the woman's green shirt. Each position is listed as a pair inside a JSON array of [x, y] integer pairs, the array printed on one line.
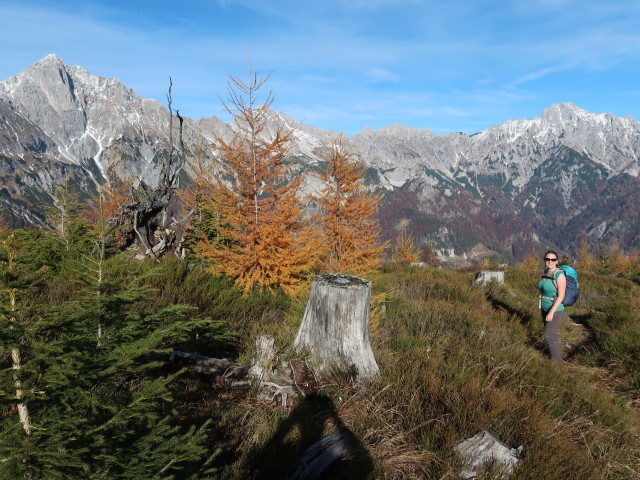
[[547, 289]]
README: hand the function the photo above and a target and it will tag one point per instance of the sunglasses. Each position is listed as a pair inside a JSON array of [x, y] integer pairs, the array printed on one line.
[[550, 259]]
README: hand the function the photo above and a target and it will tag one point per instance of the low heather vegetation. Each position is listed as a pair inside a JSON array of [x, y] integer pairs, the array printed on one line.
[[455, 358]]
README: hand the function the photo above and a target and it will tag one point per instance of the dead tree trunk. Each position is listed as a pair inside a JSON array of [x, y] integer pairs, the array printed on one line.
[[150, 208], [23, 412], [335, 326]]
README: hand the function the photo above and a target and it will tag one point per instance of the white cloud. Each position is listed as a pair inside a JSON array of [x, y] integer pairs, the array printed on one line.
[[542, 73], [382, 75]]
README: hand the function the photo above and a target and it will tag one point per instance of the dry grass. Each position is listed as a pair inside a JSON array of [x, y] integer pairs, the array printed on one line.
[[455, 358]]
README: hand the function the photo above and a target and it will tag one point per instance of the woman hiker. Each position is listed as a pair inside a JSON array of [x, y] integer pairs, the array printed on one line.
[[551, 306]]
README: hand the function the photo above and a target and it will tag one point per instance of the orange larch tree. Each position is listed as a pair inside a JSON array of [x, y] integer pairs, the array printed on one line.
[[267, 243], [531, 261], [405, 249], [586, 260], [346, 215], [618, 261]]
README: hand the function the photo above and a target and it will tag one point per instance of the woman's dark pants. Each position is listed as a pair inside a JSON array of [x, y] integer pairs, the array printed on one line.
[[551, 334]]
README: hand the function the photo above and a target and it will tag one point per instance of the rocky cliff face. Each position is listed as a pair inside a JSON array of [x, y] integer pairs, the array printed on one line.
[[526, 184], [522, 185]]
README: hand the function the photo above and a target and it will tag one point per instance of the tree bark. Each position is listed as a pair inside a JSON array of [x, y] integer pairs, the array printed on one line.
[[23, 412], [335, 326]]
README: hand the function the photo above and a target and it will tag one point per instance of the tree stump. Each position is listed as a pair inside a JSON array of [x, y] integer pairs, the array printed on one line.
[[265, 357], [486, 276], [335, 325], [270, 378]]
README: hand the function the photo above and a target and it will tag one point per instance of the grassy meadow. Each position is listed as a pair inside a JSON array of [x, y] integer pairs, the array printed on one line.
[[455, 358]]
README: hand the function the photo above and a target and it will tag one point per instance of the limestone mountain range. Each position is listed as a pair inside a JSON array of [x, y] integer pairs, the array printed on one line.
[[553, 181]]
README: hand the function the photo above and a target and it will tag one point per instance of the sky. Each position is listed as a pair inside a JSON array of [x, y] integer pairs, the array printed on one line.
[[343, 65]]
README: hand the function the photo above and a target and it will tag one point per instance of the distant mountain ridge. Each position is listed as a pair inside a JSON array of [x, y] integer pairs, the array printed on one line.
[[556, 180]]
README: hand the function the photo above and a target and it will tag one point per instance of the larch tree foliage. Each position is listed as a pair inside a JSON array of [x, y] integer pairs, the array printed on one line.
[[586, 260], [346, 215], [531, 261], [266, 242], [405, 249]]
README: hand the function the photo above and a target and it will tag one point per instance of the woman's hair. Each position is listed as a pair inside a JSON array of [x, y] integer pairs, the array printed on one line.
[[552, 251]]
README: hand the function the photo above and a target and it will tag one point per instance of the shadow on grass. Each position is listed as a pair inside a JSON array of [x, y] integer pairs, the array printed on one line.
[[526, 319], [303, 427], [524, 316], [587, 340]]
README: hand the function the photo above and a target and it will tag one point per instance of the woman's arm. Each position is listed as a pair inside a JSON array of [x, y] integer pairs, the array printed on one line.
[[561, 281]]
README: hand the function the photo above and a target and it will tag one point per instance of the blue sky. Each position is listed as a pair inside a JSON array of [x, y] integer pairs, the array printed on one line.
[[345, 64]]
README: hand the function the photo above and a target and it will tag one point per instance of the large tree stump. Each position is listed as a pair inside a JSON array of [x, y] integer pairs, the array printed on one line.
[[335, 326]]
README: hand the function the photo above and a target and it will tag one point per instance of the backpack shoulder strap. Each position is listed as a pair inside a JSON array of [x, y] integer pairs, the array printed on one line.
[[554, 277]]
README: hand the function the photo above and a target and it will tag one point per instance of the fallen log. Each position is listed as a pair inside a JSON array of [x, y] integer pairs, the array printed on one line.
[[322, 454], [269, 382], [212, 366], [268, 378]]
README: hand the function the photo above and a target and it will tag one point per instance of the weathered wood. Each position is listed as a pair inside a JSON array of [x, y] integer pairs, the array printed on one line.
[[483, 448], [335, 326], [202, 364], [322, 454], [23, 412], [269, 377], [147, 214], [264, 358], [486, 276], [285, 391]]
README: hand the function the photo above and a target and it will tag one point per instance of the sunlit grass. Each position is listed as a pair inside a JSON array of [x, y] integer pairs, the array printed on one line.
[[455, 358]]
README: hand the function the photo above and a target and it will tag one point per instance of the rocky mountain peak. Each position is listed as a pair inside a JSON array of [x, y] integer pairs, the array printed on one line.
[[60, 123], [403, 131], [51, 58], [570, 116], [562, 111]]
